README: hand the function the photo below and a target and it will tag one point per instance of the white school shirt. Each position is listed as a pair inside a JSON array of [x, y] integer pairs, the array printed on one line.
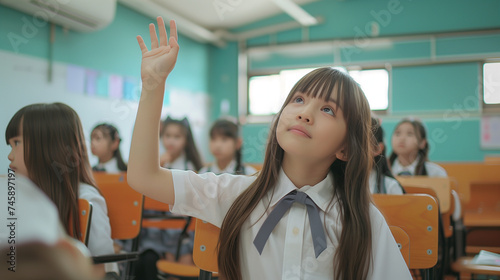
[[391, 185], [230, 168], [180, 163], [111, 166], [433, 170], [100, 242], [289, 252], [34, 216]]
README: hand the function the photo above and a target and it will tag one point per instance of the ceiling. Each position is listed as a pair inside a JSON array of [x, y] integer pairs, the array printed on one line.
[[211, 21], [224, 14]]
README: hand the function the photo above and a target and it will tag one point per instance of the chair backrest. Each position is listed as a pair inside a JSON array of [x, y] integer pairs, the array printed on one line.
[[417, 215], [163, 222], [85, 211], [124, 204], [442, 187], [403, 241], [206, 237]]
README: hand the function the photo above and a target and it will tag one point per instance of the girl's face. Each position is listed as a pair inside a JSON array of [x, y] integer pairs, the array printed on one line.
[[312, 128], [100, 145], [405, 140], [223, 147], [174, 139], [16, 155]]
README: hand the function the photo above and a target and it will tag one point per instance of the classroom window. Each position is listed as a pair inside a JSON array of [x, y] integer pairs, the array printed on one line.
[[491, 83], [375, 85], [266, 94]]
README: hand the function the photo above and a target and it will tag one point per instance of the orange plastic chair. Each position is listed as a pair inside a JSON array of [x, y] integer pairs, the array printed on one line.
[[124, 212], [207, 237], [204, 254], [403, 241], [417, 215], [85, 210], [164, 221]]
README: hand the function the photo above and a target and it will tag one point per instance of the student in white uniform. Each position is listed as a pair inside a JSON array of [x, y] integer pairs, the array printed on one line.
[[48, 146], [181, 153], [410, 149], [319, 155], [381, 178], [42, 249], [105, 144], [226, 146], [177, 139]]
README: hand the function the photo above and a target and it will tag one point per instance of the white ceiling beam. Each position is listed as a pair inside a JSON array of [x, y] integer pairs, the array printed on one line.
[[296, 12], [185, 26]]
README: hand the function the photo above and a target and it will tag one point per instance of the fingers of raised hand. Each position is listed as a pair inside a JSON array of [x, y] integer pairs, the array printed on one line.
[[163, 31], [152, 34], [143, 47]]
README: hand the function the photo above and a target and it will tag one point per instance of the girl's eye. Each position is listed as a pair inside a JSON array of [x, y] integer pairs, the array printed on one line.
[[16, 142], [298, 100], [328, 110]]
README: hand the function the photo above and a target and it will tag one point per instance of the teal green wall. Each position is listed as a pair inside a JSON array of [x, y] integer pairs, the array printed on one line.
[[223, 82], [435, 93], [112, 49]]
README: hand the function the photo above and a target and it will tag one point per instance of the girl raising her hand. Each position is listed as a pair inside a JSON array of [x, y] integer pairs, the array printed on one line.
[[307, 214]]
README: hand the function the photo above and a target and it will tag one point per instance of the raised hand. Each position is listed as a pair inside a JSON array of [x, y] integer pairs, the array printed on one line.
[[160, 60]]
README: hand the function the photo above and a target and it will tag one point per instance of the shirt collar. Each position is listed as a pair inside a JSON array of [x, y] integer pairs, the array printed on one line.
[[229, 168], [411, 167], [178, 163], [320, 193]]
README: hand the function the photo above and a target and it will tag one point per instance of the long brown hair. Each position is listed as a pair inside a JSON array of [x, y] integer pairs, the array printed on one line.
[[421, 135], [190, 149], [55, 155], [110, 132], [353, 255]]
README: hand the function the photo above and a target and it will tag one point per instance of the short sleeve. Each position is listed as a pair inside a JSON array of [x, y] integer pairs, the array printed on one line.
[[207, 196], [434, 170], [388, 263], [392, 186]]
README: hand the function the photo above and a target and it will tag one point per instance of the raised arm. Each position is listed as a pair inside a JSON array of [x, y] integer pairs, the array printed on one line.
[[144, 173]]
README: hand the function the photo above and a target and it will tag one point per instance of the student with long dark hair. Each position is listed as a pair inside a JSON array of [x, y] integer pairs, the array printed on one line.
[[410, 149], [226, 146], [105, 144], [381, 178], [48, 147], [307, 214]]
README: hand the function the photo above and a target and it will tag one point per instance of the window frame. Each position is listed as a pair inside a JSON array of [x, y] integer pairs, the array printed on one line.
[[246, 117], [487, 108]]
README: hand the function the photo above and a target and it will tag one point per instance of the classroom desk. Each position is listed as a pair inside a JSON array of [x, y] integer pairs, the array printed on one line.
[[474, 219], [441, 186]]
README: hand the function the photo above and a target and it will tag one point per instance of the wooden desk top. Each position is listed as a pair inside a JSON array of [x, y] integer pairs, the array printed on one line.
[[485, 219], [440, 185]]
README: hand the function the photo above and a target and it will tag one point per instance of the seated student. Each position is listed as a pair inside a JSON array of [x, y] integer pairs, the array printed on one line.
[[226, 146], [105, 144], [410, 149], [42, 250], [308, 213], [181, 153], [48, 147], [177, 139], [381, 178]]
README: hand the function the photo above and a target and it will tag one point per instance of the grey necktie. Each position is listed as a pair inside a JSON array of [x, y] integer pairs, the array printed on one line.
[[404, 173], [317, 231]]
